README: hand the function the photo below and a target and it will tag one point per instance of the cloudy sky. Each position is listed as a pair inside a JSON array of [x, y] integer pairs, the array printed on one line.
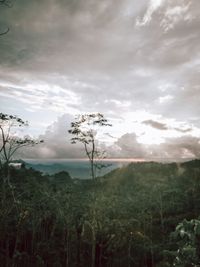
[[137, 62]]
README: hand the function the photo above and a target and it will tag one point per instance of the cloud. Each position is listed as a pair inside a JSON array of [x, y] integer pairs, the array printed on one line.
[[57, 142], [128, 146], [183, 130], [165, 99], [174, 15], [38, 95], [164, 126], [114, 57], [175, 148], [153, 6], [155, 124], [182, 147]]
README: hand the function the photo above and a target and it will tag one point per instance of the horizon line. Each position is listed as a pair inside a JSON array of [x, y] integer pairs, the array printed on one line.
[[115, 159]]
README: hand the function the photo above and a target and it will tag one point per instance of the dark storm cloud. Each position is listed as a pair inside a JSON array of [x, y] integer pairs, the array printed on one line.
[[95, 34], [63, 33]]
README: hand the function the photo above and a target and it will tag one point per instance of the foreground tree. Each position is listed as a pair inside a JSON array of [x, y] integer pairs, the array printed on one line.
[[84, 130], [10, 142], [187, 234]]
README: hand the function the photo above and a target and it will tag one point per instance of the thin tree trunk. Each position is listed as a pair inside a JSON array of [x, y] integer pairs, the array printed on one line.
[[152, 253], [129, 254], [93, 248], [92, 169], [100, 254], [67, 249], [161, 217], [15, 248], [78, 253], [7, 253]]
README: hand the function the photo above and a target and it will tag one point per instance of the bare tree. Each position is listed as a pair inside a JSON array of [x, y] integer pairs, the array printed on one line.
[[84, 129]]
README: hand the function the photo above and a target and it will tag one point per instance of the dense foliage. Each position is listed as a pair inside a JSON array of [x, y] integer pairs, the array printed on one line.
[[141, 215]]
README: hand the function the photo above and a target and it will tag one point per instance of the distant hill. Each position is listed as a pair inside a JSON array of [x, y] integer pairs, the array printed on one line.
[[192, 164], [149, 169], [76, 169], [81, 169]]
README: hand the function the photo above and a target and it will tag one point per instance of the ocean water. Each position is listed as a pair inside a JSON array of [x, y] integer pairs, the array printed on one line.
[[76, 168]]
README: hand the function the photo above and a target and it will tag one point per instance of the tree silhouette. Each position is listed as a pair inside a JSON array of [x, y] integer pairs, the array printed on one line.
[[10, 142], [84, 129]]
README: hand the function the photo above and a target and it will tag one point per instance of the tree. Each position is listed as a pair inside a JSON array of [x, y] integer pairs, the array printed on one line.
[[84, 130], [10, 142], [7, 123], [187, 234]]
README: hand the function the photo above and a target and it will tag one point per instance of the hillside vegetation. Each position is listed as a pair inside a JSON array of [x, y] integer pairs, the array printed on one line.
[[141, 215]]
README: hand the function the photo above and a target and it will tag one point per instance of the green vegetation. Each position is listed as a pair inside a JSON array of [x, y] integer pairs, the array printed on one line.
[[144, 214]]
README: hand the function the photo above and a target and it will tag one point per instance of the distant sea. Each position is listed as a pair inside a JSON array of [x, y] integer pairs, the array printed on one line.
[[76, 168]]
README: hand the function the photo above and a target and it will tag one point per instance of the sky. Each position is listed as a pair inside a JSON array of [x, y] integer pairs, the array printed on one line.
[[137, 62]]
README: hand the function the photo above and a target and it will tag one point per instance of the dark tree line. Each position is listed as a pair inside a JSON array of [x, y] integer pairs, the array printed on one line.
[[145, 214]]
